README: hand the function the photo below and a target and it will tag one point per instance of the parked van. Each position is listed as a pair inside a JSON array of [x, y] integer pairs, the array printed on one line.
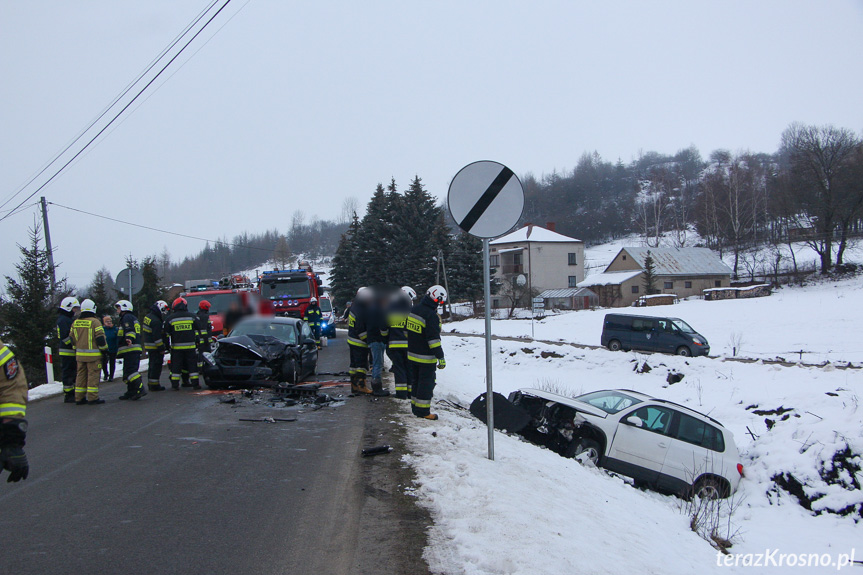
[[660, 334]]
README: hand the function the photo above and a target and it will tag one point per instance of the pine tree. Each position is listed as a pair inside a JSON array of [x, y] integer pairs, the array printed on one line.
[[151, 290], [375, 239], [649, 279], [28, 316], [346, 279], [464, 269], [101, 291]]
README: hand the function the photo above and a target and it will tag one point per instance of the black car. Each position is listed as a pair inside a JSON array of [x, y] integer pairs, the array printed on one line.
[[260, 351]]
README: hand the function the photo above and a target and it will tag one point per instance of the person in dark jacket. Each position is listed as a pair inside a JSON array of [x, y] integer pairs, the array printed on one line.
[[397, 342], [130, 350], [180, 333], [424, 350], [359, 348], [154, 344], [66, 313], [377, 330], [205, 333], [313, 316], [110, 360]]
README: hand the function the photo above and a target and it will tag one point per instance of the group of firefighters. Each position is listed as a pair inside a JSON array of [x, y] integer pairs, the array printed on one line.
[[183, 334], [410, 333]]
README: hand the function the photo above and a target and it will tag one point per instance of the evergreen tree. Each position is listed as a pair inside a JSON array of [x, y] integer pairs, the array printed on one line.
[[649, 279], [464, 269], [101, 290], [28, 317], [346, 278], [151, 291]]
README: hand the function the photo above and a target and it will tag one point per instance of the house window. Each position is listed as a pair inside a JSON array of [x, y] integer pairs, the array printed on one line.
[[624, 257], [669, 285], [717, 283], [687, 285], [495, 303], [571, 259], [634, 289], [572, 281], [516, 259], [494, 261]]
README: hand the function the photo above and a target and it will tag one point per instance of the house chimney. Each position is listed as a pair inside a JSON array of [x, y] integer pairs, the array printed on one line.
[[550, 226]]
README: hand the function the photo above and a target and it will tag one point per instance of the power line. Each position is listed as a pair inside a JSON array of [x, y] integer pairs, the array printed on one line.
[[160, 230], [177, 55], [125, 91]]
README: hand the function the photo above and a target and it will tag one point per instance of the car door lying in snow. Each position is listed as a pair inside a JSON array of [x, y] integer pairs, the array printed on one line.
[[696, 448], [640, 451]]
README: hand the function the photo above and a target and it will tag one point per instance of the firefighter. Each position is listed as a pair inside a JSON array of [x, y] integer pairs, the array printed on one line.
[[180, 333], [377, 332], [424, 350], [69, 308], [130, 350], [397, 345], [13, 410], [313, 317], [88, 337], [154, 344], [205, 333], [359, 349]]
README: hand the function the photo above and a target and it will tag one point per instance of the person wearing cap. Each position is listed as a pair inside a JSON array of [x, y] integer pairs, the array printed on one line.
[[313, 317], [153, 343], [88, 338], [69, 308]]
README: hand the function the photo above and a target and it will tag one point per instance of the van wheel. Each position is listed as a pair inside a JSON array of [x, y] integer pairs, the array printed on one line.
[[614, 345], [684, 351]]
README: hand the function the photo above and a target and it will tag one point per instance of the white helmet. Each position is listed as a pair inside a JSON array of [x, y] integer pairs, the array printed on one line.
[[69, 303], [124, 305], [361, 290], [313, 300], [88, 305], [409, 291], [162, 305], [437, 294]]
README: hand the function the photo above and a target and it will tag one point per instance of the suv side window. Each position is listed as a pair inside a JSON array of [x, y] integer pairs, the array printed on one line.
[[656, 419], [701, 433]]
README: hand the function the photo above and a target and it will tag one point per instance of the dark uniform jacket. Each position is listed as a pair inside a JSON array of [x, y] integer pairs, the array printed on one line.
[[181, 329], [129, 328], [357, 333], [205, 330], [152, 329], [423, 327], [397, 316], [313, 315], [64, 326], [13, 386], [376, 323]]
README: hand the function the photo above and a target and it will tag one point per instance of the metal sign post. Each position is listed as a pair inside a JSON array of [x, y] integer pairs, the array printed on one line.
[[486, 200]]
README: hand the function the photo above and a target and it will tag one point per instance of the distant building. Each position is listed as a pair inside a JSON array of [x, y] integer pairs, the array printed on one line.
[[681, 271], [547, 259], [569, 298]]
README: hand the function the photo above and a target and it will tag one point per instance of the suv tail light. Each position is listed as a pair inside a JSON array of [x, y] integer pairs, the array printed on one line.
[[740, 469]]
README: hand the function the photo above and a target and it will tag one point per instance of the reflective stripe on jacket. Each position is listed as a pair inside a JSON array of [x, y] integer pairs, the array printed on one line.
[[88, 337], [423, 327], [13, 385], [130, 328]]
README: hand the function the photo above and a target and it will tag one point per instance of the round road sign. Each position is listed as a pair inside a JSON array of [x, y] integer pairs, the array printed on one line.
[[486, 199], [122, 282]]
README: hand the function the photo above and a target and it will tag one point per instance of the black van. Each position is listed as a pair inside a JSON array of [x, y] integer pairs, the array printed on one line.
[[662, 334]]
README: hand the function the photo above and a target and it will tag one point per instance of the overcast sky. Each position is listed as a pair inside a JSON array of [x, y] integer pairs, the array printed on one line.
[[296, 105]]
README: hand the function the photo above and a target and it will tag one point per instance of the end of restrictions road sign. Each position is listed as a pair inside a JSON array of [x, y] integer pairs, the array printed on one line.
[[486, 199]]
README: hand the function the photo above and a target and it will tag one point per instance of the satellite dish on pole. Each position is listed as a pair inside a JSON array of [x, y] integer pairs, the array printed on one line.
[[129, 281], [521, 280]]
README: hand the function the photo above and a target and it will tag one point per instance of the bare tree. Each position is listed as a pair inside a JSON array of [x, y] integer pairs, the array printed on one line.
[[282, 256], [350, 205], [652, 205]]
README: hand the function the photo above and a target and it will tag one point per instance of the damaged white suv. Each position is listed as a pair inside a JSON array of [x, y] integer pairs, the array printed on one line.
[[658, 443]]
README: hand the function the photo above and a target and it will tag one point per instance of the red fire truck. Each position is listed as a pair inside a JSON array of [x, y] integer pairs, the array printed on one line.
[[289, 291], [222, 294]]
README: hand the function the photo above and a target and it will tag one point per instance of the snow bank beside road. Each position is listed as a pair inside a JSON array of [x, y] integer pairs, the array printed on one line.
[[532, 511]]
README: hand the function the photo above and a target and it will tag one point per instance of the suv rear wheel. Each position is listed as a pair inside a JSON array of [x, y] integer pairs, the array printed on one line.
[[614, 345], [711, 488]]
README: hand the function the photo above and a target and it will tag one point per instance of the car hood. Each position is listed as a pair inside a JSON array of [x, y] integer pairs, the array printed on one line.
[[266, 347], [568, 401]]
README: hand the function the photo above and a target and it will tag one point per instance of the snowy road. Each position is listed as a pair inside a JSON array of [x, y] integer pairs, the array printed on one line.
[[174, 483]]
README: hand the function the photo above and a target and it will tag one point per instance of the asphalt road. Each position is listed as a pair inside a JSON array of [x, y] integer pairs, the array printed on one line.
[[175, 483]]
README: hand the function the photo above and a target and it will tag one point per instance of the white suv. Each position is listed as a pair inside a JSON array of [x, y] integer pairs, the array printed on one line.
[[656, 442]]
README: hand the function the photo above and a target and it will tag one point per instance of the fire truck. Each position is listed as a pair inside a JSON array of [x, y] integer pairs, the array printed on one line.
[[222, 294], [289, 291]]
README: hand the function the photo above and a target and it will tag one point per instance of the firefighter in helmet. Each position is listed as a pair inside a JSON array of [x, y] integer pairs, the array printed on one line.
[[154, 344], [88, 338], [13, 410], [205, 333], [66, 313], [130, 350], [359, 348], [424, 350], [397, 344], [180, 333], [313, 317]]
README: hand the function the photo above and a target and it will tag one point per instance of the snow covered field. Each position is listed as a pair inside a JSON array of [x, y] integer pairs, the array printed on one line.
[[822, 319], [532, 511]]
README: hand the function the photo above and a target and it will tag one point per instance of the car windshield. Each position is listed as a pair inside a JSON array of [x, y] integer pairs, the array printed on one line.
[[326, 306], [682, 326], [219, 302], [283, 331], [299, 288], [608, 401]]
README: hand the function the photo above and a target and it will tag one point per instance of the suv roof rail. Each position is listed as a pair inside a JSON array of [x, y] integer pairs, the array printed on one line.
[[689, 408]]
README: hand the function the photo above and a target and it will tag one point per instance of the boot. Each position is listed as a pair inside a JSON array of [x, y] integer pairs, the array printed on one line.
[[69, 397], [81, 402], [157, 387], [127, 395], [96, 401], [430, 416], [378, 388], [361, 384], [136, 396]]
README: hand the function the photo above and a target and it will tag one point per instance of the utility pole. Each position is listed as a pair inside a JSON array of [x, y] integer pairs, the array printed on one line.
[[48, 245]]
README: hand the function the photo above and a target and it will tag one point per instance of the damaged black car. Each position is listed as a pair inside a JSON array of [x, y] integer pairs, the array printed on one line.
[[262, 351]]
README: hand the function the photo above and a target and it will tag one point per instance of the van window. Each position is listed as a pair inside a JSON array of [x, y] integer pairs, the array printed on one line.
[[697, 432], [641, 324], [617, 322]]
